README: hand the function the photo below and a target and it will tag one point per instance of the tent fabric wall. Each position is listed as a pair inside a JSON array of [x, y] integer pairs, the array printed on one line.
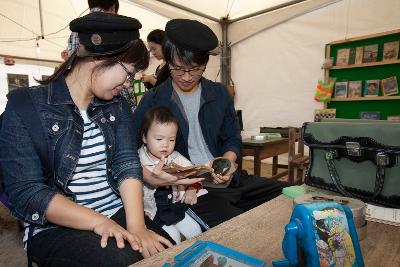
[[243, 29], [276, 71]]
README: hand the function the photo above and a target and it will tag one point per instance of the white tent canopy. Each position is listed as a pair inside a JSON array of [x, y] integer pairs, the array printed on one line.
[[28, 24], [275, 56], [21, 29]]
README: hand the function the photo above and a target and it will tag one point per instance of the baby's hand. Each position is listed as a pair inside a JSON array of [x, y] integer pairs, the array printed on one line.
[[190, 197]]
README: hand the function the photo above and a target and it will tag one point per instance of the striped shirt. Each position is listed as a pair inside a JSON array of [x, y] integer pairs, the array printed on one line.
[[89, 181]]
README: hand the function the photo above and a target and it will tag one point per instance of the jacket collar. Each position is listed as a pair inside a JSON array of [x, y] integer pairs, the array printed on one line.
[[59, 94]]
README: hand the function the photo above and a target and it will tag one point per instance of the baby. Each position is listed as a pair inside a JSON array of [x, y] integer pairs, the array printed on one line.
[[167, 206]]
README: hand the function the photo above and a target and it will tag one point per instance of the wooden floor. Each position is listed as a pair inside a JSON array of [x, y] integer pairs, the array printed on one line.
[[266, 169]]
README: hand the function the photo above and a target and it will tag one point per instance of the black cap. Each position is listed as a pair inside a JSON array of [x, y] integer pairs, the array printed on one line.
[[102, 33], [191, 35]]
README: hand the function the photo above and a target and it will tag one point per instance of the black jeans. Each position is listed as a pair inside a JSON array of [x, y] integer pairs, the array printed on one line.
[[221, 204], [70, 247]]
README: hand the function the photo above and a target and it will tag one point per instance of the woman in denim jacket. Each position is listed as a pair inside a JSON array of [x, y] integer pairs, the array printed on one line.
[[89, 212]]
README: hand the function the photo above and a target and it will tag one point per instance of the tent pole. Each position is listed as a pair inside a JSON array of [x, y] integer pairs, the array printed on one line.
[[267, 10], [170, 3], [225, 54], [41, 19], [55, 62]]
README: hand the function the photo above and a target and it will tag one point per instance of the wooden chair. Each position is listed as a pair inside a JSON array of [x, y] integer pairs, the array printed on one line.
[[297, 161]]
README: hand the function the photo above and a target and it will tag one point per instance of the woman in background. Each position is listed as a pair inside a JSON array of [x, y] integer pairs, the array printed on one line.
[[155, 41]]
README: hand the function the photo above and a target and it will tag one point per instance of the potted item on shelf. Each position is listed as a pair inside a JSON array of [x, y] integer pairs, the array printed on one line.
[[389, 86], [323, 92], [371, 88]]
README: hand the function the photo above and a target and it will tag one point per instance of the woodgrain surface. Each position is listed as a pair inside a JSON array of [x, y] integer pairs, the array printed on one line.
[[259, 233]]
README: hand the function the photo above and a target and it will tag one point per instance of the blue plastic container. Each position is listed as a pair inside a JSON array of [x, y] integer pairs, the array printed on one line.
[[206, 253]]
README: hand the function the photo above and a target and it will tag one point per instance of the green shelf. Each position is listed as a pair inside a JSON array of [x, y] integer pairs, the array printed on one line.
[[350, 108]]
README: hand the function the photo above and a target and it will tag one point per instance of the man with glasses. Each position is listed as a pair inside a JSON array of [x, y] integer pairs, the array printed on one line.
[[208, 125]]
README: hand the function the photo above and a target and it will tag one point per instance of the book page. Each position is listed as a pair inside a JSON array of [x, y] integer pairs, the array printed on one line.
[[382, 214]]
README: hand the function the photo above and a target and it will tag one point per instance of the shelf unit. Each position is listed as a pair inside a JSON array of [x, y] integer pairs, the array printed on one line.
[[366, 98], [350, 107], [366, 64]]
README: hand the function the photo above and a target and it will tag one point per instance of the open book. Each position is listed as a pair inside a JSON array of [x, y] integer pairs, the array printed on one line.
[[218, 165]]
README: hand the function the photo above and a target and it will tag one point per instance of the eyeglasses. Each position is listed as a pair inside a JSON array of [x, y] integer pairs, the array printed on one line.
[[130, 76], [193, 72]]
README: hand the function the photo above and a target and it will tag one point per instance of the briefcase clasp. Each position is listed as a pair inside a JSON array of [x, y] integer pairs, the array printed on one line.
[[382, 159], [353, 149]]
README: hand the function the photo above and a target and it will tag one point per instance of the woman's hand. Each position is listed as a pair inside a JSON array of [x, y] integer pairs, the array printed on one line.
[[158, 177], [152, 243], [149, 79], [190, 196], [108, 228]]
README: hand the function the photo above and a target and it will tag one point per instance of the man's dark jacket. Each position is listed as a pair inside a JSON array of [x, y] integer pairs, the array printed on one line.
[[217, 117]]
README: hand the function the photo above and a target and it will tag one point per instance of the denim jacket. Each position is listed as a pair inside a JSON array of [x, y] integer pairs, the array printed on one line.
[[29, 190]]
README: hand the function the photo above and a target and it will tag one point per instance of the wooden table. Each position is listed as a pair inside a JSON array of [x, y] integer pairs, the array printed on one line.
[[265, 149], [259, 233]]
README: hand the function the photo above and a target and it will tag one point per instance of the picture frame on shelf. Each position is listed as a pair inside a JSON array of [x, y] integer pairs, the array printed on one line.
[[391, 51], [342, 58], [393, 118], [370, 115], [390, 86], [16, 81], [352, 56], [359, 55], [371, 88], [341, 90], [354, 89], [370, 53]]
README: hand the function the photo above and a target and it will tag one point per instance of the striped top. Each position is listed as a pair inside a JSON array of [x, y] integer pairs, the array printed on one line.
[[89, 181]]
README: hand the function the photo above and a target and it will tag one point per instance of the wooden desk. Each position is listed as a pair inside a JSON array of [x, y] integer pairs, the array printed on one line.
[[265, 149], [259, 233]]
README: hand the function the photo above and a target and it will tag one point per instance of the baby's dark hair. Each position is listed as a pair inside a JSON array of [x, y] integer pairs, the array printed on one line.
[[156, 114]]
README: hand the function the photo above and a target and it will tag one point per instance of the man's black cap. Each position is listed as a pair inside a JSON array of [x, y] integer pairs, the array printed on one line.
[[102, 33], [191, 35]]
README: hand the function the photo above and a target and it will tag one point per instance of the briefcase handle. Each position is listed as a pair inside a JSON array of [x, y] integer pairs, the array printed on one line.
[[382, 160]]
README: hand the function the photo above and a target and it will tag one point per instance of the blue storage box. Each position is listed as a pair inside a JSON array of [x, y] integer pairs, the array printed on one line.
[[206, 253]]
